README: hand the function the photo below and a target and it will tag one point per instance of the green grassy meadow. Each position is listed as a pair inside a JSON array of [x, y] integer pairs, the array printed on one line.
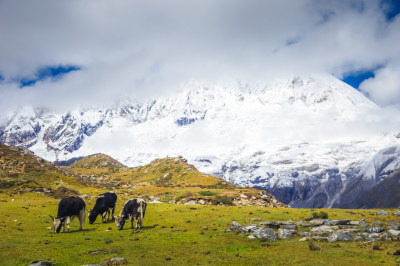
[[175, 235]]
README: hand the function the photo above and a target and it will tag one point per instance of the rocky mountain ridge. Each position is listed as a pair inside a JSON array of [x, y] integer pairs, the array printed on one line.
[[304, 139]]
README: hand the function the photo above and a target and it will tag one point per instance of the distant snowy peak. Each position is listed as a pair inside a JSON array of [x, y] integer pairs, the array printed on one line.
[[289, 97], [315, 90]]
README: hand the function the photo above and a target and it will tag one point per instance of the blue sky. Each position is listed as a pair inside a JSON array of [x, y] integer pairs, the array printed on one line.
[[67, 53], [354, 79], [54, 73]]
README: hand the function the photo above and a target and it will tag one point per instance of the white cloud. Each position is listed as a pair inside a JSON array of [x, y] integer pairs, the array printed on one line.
[[148, 48], [384, 89]]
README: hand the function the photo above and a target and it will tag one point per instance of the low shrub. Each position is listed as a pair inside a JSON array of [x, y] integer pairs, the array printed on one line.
[[224, 200], [321, 215], [207, 193]]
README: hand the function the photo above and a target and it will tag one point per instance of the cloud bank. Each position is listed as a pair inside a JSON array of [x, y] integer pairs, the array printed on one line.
[[149, 48]]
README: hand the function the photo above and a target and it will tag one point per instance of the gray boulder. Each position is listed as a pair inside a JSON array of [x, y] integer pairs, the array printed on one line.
[[191, 202], [249, 228], [285, 233], [332, 237], [322, 230], [340, 222], [375, 229], [382, 212], [289, 226], [41, 263], [266, 235], [394, 232], [397, 213], [303, 224], [374, 237], [304, 233], [344, 236], [235, 226], [317, 222], [255, 220], [270, 224]]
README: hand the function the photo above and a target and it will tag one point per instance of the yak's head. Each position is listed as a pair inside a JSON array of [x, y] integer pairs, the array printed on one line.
[[119, 221], [58, 222], [92, 215]]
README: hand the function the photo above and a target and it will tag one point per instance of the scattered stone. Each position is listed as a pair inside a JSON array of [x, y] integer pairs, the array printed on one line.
[[332, 231], [243, 196], [266, 235], [394, 232], [316, 222], [85, 196], [156, 201], [355, 223], [289, 226], [395, 225], [397, 213], [270, 224], [397, 252], [304, 233], [322, 230], [202, 202], [344, 236], [375, 229], [235, 226], [255, 220], [304, 239], [382, 212], [363, 223], [374, 237], [285, 233], [168, 258], [95, 252], [304, 224], [192, 202], [41, 263], [249, 228], [333, 238], [340, 222]]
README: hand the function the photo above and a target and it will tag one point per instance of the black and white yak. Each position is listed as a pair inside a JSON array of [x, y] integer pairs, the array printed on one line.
[[68, 209], [104, 203], [133, 208]]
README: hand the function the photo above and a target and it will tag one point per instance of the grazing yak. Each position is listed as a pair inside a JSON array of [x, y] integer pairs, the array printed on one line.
[[68, 209], [133, 208], [104, 203]]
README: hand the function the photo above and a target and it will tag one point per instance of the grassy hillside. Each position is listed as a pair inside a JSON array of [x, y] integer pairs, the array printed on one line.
[[22, 171], [173, 234], [170, 180], [98, 160]]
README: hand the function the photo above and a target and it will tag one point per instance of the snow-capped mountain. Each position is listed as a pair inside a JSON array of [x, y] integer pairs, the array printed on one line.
[[301, 138]]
